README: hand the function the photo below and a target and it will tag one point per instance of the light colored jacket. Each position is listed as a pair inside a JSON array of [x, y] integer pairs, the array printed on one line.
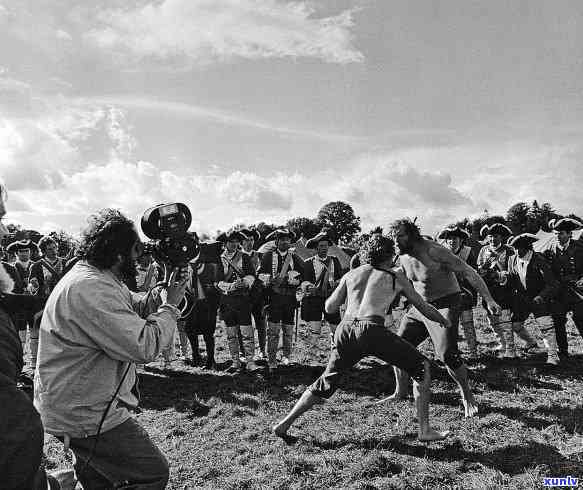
[[93, 327]]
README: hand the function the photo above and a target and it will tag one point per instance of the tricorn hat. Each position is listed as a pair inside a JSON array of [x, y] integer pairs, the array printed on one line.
[[453, 231], [565, 224], [524, 239], [250, 234], [21, 245], [495, 229], [231, 236], [324, 235], [276, 234]]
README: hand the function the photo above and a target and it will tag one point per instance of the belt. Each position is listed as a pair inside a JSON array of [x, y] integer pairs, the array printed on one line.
[[376, 319]]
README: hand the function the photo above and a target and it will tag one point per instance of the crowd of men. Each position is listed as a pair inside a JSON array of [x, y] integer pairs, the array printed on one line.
[[92, 320], [260, 297]]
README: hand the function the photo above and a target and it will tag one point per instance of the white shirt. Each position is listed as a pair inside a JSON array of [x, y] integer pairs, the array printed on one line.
[[319, 265], [522, 265]]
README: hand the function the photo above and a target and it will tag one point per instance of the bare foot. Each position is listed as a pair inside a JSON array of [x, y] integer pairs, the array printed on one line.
[[280, 429], [470, 405], [392, 398], [432, 435]]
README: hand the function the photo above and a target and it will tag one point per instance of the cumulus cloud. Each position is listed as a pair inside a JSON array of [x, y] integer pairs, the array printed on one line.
[[38, 151], [427, 187], [179, 31], [63, 35]]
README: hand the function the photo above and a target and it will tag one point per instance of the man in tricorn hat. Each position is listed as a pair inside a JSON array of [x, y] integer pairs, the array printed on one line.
[[566, 257], [44, 275], [534, 287], [20, 272], [492, 264], [235, 305], [322, 274], [257, 300], [455, 239], [282, 271]]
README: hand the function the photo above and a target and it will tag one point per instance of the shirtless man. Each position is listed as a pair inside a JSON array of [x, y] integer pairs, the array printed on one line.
[[369, 290], [432, 269]]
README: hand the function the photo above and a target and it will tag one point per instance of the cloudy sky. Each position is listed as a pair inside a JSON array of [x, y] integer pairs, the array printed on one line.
[[251, 110]]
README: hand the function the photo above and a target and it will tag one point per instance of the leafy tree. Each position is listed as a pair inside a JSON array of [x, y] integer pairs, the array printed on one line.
[[13, 228], [476, 225], [547, 214], [306, 227], [517, 216], [264, 229], [524, 218], [339, 217], [66, 243]]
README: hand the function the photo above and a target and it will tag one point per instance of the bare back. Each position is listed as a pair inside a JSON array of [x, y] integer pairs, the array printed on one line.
[[369, 291], [431, 278]]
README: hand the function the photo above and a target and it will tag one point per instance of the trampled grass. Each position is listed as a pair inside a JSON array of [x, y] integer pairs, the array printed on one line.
[[215, 428]]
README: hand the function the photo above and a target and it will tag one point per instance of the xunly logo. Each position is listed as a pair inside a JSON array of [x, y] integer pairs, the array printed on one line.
[[565, 481]]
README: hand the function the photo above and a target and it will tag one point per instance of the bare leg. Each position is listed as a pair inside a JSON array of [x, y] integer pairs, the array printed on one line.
[[306, 401], [422, 394], [401, 386], [460, 376]]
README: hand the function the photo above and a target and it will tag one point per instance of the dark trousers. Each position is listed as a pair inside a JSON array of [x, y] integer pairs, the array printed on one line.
[[202, 321], [124, 458], [358, 338], [560, 319]]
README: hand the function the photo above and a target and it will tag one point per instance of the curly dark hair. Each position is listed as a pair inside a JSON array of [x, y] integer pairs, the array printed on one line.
[[410, 227], [377, 250], [44, 242], [108, 235]]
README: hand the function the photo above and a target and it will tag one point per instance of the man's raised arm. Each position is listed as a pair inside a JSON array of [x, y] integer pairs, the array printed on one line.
[[458, 266]]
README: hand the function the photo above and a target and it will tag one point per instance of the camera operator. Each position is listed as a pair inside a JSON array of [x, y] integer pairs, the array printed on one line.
[[92, 333]]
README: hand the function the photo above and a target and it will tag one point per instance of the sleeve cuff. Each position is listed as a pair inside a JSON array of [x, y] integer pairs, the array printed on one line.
[[173, 309]]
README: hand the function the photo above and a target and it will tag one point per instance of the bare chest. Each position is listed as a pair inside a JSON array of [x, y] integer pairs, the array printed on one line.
[[421, 270]]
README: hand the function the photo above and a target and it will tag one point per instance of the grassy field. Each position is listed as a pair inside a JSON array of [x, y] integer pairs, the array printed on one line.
[[215, 428]]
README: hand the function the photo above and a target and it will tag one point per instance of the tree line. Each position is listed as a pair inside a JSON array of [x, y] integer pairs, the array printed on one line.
[[339, 217]]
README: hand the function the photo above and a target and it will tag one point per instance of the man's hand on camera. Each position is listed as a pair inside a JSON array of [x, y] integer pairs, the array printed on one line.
[[174, 292]]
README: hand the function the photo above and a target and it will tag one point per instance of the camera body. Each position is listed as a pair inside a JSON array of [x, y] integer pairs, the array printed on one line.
[[167, 226]]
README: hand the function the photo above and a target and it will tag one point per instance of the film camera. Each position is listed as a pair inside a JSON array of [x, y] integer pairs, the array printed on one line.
[[166, 225]]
